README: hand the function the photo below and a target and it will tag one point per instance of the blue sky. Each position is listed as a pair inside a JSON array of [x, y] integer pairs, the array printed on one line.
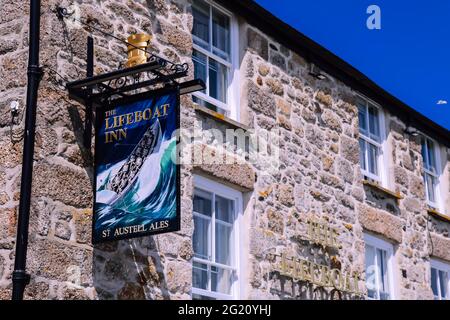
[[409, 57]]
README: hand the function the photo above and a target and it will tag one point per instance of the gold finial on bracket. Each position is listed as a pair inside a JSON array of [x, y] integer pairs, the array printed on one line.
[[135, 55]]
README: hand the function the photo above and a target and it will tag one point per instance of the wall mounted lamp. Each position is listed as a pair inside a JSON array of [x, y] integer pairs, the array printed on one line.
[[412, 131], [316, 73]]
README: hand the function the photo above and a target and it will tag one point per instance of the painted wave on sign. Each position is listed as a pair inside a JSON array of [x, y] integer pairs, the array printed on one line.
[[151, 197]]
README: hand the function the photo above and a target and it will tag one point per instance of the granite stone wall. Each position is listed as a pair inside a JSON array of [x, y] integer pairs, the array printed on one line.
[[61, 259], [318, 179]]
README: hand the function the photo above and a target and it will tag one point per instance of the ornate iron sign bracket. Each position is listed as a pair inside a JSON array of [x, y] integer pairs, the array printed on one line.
[[126, 82], [95, 91]]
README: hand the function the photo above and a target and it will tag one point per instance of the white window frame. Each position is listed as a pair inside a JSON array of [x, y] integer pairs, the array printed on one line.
[[379, 243], [441, 266], [232, 105], [216, 188], [437, 155], [382, 176]]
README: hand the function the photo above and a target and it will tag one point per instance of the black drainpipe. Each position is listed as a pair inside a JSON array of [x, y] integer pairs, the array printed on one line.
[[19, 277]]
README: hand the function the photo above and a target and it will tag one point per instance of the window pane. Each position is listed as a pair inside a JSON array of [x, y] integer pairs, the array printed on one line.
[[202, 237], [221, 34], [434, 284], [371, 273], [374, 123], [443, 281], [200, 297], [383, 274], [430, 185], [373, 159], [217, 81], [199, 61], [200, 276], [384, 295], [215, 245], [362, 119], [223, 243], [203, 202], [221, 280], [431, 156], [200, 12], [224, 209], [224, 212], [362, 154], [425, 154]]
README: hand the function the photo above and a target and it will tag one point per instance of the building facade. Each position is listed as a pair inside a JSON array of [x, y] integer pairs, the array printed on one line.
[[355, 206]]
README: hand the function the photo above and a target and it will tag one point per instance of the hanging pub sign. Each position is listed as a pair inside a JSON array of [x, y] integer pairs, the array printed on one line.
[[136, 174]]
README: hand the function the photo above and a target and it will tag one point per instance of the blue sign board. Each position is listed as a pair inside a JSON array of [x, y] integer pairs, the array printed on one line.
[[136, 173]]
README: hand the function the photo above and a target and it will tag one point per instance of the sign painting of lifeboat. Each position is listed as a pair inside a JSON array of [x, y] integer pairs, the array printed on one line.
[[123, 180]]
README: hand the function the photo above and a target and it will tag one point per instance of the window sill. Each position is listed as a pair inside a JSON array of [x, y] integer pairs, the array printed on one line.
[[376, 186], [438, 215], [219, 117]]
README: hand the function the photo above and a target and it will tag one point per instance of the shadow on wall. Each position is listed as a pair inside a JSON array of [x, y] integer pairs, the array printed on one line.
[[378, 200], [78, 130], [129, 270]]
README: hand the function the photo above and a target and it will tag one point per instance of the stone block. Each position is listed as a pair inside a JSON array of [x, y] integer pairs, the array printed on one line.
[[283, 107], [258, 43], [6, 293], [11, 153], [417, 186], [276, 87], [441, 246], [121, 11], [324, 98], [11, 10], [8, 220], [261, 241], [332, 181], [284, 194], [315, 136], [327, 163], [381, 222], [59, 261], [83, 225], [46, 142], [330, 119], [297, 125], [225, 166], [345, 170], [179, 276], [8, 45], [275, 221], [63, 183], [263, 69], [62, 230], [284, 122], [185, 250], [319, 195], [412, 205], [260, 100], [308, 115], [350, 149], [401, 176], [93, 15], [176, 37], [37, 291]]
